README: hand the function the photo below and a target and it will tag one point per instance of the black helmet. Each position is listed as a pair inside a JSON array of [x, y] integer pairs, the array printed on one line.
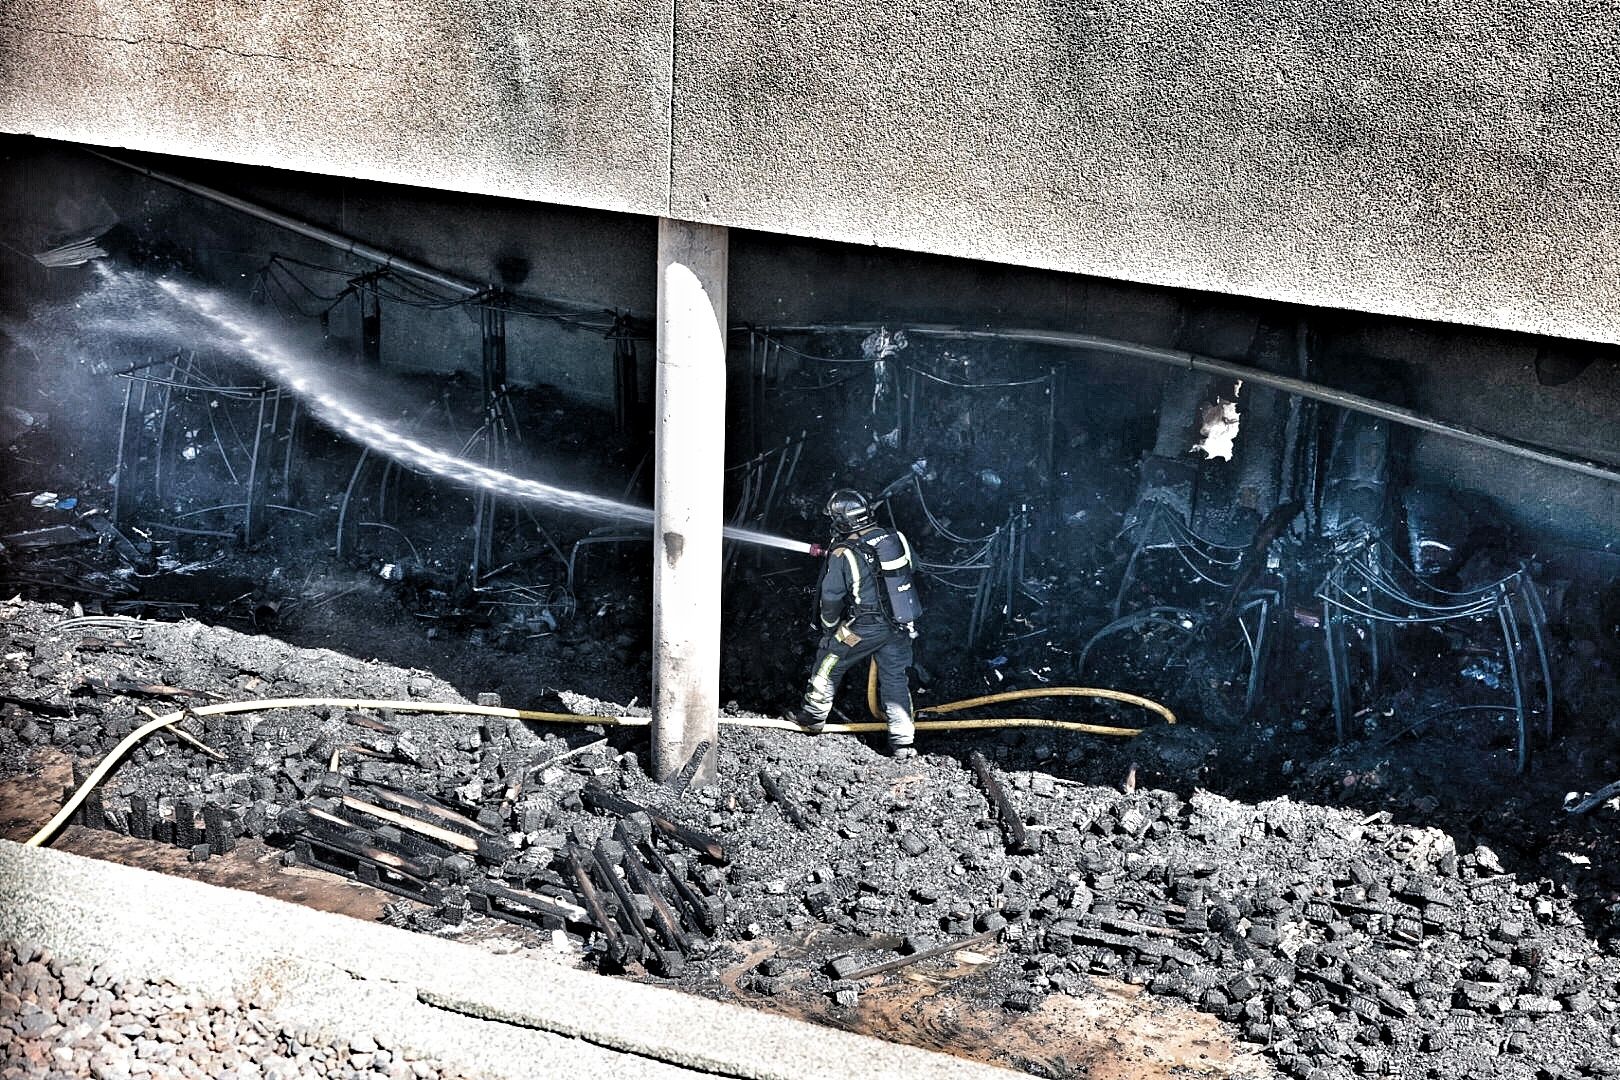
[[848, 510]]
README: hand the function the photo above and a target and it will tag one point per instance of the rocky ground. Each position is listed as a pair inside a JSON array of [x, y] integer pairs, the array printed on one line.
[[1340, 939], [66, 1020]]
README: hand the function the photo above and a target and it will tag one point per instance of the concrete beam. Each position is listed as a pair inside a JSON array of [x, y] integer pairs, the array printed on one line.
[[536, 99], [1445, 160], [1435, 160], [688, 483]]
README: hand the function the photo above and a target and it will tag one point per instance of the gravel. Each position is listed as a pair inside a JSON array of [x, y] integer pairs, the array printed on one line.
[[62, 1020]]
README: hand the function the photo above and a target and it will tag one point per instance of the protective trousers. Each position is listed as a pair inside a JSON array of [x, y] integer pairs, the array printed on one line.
[[842, 650]]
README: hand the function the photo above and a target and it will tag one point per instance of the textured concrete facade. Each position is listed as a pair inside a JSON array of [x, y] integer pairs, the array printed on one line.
[[1450, 161], [553, 100], [1439, 161]]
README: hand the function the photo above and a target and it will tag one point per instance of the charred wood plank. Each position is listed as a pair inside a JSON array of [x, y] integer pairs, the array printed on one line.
[[101, 644], [669, 924], [1127, 926], [423, 828], [706, 913], [87, 685], [617, 950], [358, 849], [128, 550], [790, 809], [683, 780], [1147, 946], [1012, 826], [546, 905], [926, 954], [38, 708], [420, 853], [423, 807], [599, 798], [50, 536], [411, 845], [333, 855], [669, 961], [370, 723]]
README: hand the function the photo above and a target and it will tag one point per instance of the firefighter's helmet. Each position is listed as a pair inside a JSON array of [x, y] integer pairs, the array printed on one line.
[[848, 510]]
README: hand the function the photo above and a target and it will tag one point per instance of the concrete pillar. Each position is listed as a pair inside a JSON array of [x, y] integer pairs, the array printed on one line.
[[688, 476]]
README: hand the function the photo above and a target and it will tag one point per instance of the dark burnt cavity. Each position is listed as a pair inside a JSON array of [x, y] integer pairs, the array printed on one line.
[[1392, 655]]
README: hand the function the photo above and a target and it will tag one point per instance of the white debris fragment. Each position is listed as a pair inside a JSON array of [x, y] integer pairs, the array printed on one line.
[[1218, 424]]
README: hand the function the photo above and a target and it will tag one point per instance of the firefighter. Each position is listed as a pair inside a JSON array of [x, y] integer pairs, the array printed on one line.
[[868, 607]]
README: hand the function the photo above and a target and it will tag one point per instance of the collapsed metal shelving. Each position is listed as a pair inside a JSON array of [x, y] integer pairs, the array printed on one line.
[[1371, 590]]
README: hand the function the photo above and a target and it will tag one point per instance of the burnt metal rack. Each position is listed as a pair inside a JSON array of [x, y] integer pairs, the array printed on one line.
[[1370, 590], [1254, 608], [168, 405]]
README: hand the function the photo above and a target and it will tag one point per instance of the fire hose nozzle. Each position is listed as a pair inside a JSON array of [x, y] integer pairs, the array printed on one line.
[[817, 551]]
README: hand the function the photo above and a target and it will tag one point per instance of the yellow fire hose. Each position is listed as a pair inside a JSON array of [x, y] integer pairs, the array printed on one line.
[[461, 709]]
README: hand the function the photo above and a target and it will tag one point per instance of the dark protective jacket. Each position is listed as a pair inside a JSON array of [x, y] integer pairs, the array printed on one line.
[[851, 588]]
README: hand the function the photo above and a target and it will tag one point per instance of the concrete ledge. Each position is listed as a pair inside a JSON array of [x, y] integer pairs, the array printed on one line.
[[501, 1016]]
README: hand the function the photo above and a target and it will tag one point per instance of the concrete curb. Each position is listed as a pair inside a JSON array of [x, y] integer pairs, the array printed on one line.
[[499, 1016]]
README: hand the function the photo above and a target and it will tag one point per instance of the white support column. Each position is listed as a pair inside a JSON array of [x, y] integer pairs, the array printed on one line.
[[688, 478]]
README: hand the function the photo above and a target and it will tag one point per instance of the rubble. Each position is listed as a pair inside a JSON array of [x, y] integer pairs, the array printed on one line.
[[1341, 941]]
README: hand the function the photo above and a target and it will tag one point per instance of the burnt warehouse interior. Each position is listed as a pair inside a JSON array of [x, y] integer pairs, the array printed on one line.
[[464, 564]]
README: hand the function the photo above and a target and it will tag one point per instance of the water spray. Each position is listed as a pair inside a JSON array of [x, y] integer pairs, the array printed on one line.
[[234, 331]]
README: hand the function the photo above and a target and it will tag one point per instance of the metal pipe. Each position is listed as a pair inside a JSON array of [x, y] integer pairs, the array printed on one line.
[[1538, 622], [119, 480], [253, 473], [303, 228], [342, 243], [1521, 710], [1287, 383]]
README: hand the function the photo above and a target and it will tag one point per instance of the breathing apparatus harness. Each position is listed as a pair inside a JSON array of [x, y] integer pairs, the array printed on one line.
[[885, 554]]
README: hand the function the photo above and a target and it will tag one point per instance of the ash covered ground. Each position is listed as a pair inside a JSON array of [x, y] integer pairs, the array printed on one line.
[[1340, 939]]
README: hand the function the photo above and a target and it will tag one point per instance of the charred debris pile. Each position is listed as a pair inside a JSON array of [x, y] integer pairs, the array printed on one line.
[[1343, 942]]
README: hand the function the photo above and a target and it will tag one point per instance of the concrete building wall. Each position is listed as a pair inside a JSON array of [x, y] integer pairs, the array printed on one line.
[[1437, 161], [554, 100]]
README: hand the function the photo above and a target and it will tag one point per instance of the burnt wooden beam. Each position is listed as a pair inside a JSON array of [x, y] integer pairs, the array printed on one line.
[[87, 685], [359, 849], [599, 798], [790, 809], [706, 913], [422, 828], [38, 708], [442, 815], [1012, 826], [669, 960], [917, 957], [617, 950], [546, 905], [669, 924], [419, 852]]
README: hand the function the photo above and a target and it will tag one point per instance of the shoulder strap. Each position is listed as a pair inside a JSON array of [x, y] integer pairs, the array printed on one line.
[[854, 560]]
